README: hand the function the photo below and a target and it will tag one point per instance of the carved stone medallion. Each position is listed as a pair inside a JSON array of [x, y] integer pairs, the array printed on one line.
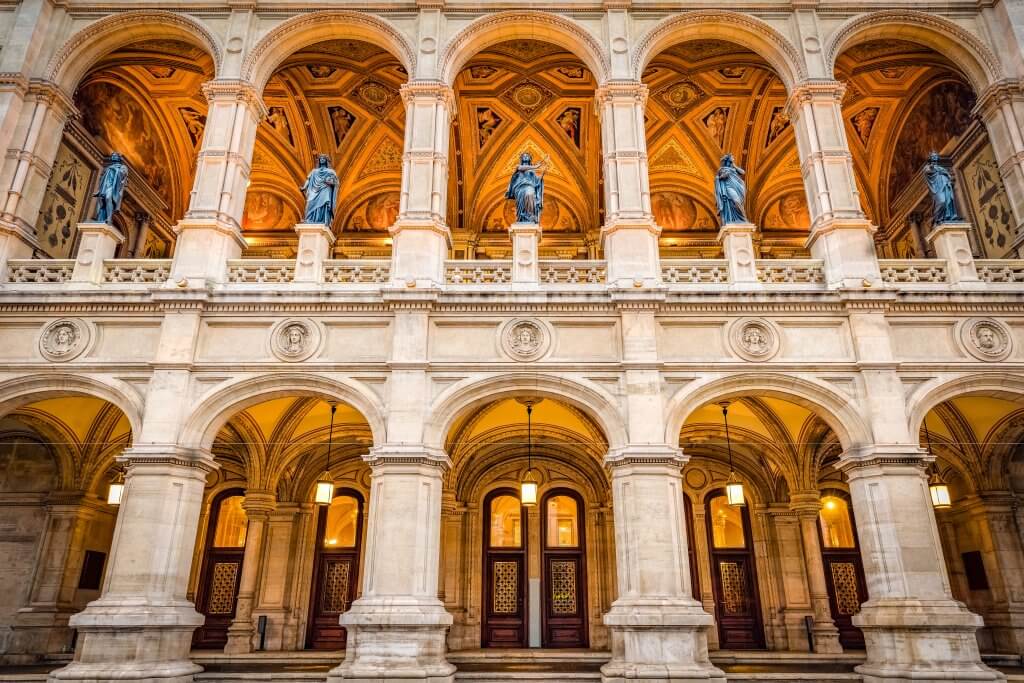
[[524, 340], [295, 340], [754, 340], [63, 340], [986, 339]]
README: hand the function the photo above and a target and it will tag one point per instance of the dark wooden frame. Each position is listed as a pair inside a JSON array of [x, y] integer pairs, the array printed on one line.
[[319, 562], [521, 553], [204, 637], [691, 548], [747, 554], [850, 637], [577, 554]]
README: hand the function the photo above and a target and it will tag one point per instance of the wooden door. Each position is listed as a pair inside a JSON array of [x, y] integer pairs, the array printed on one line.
[[336, 573], [737, 609], [691, 549], [221, 569], [504, 580], [564, 575], [844, 572]]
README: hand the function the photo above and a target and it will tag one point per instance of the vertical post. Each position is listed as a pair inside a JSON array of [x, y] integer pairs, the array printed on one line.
[[97, 243], [738, 245], [951, 242], [315, 242], [258, 505], [525, 253], [807, 506], [840, 233]]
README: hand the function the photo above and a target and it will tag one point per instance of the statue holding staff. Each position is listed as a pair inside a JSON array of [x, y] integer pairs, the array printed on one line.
[[111, 189], [940, 185], [321, 190], [527, 188], [730, 192]]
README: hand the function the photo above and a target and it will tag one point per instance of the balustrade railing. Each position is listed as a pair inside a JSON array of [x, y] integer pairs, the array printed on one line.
[[136, 271], [694, 271], [253, 271], [913, 271], [472, 272], [791, 271], [1000, 271], [357, 271], [566, 272], [41, 271]]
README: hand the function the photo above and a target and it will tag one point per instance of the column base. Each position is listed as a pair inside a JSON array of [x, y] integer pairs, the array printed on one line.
[[202, 252], [395, 639], [826, 639], [915, 641], [133, 641], [631, 253], [240, 638], [659, 641]]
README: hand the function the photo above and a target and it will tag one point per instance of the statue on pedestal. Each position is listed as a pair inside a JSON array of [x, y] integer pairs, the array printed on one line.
[[111, 189], [940, 185], [321, 190], [527, 188], [730, 192]]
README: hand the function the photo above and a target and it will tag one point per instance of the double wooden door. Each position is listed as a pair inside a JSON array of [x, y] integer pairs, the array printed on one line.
[[336, 574], [844, 571], [737, 608], [506, 563], [221, 570]]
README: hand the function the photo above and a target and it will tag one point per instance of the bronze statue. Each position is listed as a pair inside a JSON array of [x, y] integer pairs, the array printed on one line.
[[321, 190], [527, 188], [940, 185], [111, 189], [730, 192]]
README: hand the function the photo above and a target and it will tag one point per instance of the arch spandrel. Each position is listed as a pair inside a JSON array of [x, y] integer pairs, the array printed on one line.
[[930, 394]]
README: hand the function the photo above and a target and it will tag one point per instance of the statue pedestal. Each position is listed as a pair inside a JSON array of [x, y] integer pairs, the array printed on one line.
[[737, 241], [951, 242], [525, 252], [203, 250], [315, 242], [848, 250], [419, 248], [97, 242], [631, 251]]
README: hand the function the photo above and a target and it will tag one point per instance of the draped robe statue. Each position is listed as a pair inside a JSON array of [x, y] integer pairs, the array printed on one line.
[[940, 185], [321, 190], [527, 188], [730, 192], [111, 189]]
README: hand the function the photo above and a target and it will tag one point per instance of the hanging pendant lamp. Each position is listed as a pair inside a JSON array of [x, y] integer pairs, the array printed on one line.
[[325, 484], [733, 486], [937, 486], [528, 486], [116, 490]]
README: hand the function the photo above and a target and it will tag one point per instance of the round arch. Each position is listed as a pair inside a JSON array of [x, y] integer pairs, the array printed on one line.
[[84, 48], [307, 29], [963, 48], [836, 410], [733, 27], [1002, 385], [474, 393], [215, 410], [21, 391], [501, 26]]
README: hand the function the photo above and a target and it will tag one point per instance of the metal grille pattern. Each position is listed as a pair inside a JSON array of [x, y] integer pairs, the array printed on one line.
[[334, 597], [506, 588], [734, 587], [563, 587], [222, 588], [844, 578]]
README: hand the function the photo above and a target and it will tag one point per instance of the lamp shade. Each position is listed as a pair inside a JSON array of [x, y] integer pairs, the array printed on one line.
[[324, 490], [528, 489], [940, 493], [116, 491], [734, 491]]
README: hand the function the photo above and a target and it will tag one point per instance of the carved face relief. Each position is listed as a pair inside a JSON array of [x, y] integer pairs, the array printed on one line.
[[986, 339], [63, 340], [524, 340], [755, 340], [295, 340]]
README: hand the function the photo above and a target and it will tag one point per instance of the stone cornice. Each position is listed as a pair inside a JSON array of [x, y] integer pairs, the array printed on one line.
[[636, 91], [53, 96], [237, 90], [1006, 91], [814, 89], [437, 91]]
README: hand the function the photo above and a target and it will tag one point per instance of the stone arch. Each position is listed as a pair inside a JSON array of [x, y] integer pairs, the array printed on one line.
[[501, 26], [84, 48], [21, 391], [733, 27], [475, 392], [967, 51], [310, 28], [1003, 385], [837, 410], [214, 410]]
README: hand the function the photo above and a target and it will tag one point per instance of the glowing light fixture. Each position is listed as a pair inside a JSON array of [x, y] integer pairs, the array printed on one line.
[[528, 486], [325, 484], [733, 487], [937, 486], [116, 490]]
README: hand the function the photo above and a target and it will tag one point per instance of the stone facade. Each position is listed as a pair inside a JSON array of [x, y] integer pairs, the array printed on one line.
[[207, 372]]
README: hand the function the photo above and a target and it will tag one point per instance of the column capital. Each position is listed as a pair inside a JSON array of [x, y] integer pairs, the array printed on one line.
[[612, 90], [436, 90], [238, 90], [14, 81], [805, 503], [52, 95], [171, 455], [997, 94], [814, 89], [646, 454], [879, 458], [416, 455], [259, 503]]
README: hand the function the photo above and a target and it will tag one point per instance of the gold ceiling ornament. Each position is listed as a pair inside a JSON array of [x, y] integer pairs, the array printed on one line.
[[672, 157], [531, 147]]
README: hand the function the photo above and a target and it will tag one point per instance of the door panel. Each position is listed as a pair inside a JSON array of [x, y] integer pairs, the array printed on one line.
[[846, 592], [734, 578], [221, 570], [504, 609], [336, 577], [564, 575]]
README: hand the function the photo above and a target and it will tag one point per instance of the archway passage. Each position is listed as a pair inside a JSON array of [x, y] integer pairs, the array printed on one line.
[[709, 98], [341, 98], [903, 101], [145, 102], [525, 96], [57, 461], [978, 443], [545, 567], [265, 547]]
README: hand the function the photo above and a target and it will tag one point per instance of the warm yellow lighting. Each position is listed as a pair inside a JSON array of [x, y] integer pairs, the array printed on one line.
[[734, 491], [116, 490], [324, 490], [332, 541], [940, 493], [830, 504], [528, 490]]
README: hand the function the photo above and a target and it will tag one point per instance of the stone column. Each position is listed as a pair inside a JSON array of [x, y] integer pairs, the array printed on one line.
[[397, 629], [840, 233], [211, 231], [1001, 107], [421, 238], [141, 628], [629, 234], [658, 631], [258, 505], [913, 628], [807, 506]]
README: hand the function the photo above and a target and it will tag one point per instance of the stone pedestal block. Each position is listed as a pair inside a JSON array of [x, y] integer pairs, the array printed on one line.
[[14, 244], [631, 252], [737, 241], [952, 243], [202, 252], [315, 242], [525, 252], [418, 252], [848, 250], [97, 242]]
